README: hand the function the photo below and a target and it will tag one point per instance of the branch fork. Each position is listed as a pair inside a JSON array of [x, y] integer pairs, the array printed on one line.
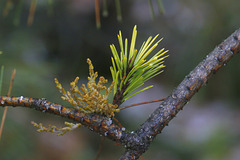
[[137, 142]]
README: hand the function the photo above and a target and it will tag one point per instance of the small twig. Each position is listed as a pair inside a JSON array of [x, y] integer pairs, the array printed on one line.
[[120, 125], [95, 122], [137, 142], [141, 103], [180, 96], [5, 109]]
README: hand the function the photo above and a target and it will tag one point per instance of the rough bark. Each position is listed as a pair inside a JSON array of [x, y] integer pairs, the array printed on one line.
[[136, 143], [181, 95]]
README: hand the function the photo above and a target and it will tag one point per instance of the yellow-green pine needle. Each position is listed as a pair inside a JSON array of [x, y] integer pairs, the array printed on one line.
[[147, 51], [132, 68], [116, 82], [133, 42], [114, 66], [113, 74], [137, 80], [116, 57], [126, 47], [138, 92], [120, 41]]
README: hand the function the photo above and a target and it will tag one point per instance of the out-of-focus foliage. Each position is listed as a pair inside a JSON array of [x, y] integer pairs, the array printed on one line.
[[64, 34]]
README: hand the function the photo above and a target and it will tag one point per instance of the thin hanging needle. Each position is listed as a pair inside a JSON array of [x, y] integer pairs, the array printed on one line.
[[32, 10], [5, 109], [97, 10]]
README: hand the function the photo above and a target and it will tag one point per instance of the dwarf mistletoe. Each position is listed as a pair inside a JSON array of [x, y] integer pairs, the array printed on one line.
[[136, 142], [130, 69]]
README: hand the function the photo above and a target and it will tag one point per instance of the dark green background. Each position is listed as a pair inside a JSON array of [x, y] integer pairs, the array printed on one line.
[[58, 44]]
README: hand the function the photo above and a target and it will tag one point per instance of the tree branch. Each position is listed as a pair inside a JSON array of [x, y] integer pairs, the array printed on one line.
[[95, 122], [181, 95], [136, 143]]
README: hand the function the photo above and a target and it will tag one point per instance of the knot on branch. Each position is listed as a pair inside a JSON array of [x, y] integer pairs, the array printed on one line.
[[137, 141]]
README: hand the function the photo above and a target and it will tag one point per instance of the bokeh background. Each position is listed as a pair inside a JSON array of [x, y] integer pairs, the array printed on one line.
[[64, 34]]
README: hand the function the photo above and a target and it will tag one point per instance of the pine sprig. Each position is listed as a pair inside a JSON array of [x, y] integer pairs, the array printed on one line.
[[131, 69]]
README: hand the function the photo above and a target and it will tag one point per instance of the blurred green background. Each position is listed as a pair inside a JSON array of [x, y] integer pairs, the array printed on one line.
[[64, 34]]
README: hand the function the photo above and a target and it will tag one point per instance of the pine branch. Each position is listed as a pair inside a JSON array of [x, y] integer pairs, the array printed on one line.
[[168, 109], [95, 122], [136, 143]]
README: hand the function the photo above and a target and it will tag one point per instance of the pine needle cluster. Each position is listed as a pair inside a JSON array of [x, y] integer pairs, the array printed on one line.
[[130, 69]]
